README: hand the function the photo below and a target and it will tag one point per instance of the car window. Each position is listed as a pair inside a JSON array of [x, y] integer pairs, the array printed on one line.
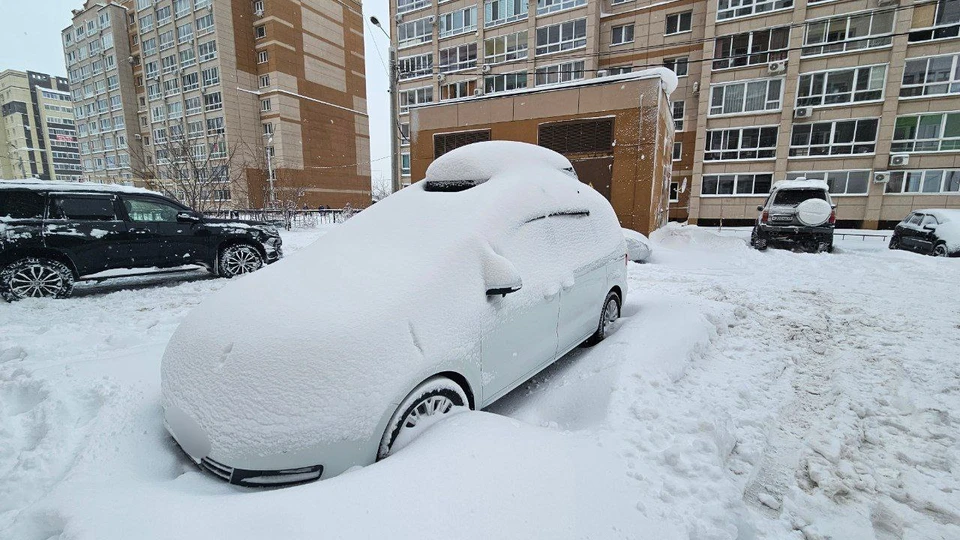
[[793, 197], [915, 219], [929, 220], [82, 208], [21, 204], [150, 210]]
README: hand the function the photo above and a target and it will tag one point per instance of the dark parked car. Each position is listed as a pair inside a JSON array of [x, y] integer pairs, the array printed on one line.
[[798, 213], [931, 232], [54, 233]]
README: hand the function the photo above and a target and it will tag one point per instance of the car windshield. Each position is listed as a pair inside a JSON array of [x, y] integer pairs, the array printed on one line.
[[793, 197]]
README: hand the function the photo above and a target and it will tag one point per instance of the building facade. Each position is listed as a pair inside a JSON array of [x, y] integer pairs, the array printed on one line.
[[617, 134], [242, 103], [864, 94], [37, 137]]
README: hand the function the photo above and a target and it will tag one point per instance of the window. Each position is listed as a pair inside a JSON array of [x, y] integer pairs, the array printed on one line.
[[848, 33], [678, 112], [404, 6], [746, 97], [457, 58], [146, 23], [945, 22], [405, 163], [447, 142], [181, 8], [160, 136], [118, 122], [619, 70], [191, 81], [158, 113], [678, 23], [732, 9], [185, 33], [213, 102], [188, 57], [260, 31], [107, 41], [741, 144], [412, 67], [677, 151], [414, 32], [933, 76], [674, 192], [677, 65], [82, 208], [503, 11], [751, 48], [839, 138], [195, 130], [166, 40], [193, 105], [147, 210], [457, 90], [937, 132], [568, 71], [416, 96], [268, 129], [736, 184], [174, 110], [215, 126], [149, 46], [841, 86], [115, 103], [263, 57], [577, 136], [171, 87], [622, 34], [505, 48], [264, 81], [562, 37], [458, 22], [205, 24], [405, 134], [927, 181], [197, 4], [163, 16], [113, 82], [169, 63], [839, 182], [211, 76], [504, 81], [265, 105], [549, 6], [208, 51]]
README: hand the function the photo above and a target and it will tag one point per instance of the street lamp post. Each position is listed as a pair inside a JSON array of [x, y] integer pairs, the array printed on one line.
[[273, 196], [394, 114]]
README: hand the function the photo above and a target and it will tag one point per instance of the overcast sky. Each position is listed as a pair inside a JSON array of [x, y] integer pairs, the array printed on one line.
[[32, 42]]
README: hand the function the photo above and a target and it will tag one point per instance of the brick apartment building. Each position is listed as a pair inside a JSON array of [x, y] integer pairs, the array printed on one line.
[[222, 84], [864, 94]]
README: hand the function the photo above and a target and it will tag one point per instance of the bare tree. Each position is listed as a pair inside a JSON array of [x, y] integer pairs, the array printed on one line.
[[380, 188]]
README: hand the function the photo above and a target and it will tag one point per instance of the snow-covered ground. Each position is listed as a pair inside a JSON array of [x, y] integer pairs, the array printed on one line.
[[743, 395]]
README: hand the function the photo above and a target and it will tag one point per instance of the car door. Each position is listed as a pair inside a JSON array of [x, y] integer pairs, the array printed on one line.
[[87, 228], [911, 227], [175, 241], [925, 238], [583, 290], [519, 332]]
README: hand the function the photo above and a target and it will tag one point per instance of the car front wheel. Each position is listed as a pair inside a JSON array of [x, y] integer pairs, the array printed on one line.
[[239, 259], [940, 250], [434, 400], [35, 278]]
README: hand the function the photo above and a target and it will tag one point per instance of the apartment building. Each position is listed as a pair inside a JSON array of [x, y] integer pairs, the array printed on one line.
[[250, 100], [864, 94], [37, 137]]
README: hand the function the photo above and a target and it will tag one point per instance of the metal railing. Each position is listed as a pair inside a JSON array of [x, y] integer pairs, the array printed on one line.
[[288, 219]]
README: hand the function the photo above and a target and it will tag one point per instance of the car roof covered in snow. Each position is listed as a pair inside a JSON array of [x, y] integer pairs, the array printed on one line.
[[473, 162], [801, 183], [56, 185], [943, 215]]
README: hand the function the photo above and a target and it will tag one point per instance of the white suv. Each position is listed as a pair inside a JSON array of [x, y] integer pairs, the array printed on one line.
[[798, 213]]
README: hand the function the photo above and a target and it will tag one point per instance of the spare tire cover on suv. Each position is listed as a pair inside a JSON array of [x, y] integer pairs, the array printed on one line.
[[814, 212]]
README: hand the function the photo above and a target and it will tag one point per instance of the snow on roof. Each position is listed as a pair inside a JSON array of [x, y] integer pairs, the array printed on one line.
[[943, 215], [484, 160], [667, 77], [56, 185], [801, 183]]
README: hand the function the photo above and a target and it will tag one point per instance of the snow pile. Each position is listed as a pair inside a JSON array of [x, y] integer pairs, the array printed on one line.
[[801, 183], [949, 228], [677, 236], [56, 185]]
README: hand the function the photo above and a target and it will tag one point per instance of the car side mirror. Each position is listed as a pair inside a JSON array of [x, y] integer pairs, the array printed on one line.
[[760, 208], [187, 217], [500, 275]]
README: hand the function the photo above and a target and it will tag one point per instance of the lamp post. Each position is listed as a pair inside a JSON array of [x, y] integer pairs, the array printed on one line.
[[269, 149], [394, 114]]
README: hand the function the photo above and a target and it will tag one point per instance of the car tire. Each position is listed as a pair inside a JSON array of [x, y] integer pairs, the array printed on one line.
[[434, 400], [609, 313], [758, 242], [894, 242], [239, 259], [940, 250], [34, 277]]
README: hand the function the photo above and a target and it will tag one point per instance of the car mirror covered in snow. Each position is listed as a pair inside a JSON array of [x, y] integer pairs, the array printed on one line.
[[500, 275]]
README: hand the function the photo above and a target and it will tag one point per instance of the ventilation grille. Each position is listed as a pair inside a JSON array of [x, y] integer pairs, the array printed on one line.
[[578, 137], [445, 142]]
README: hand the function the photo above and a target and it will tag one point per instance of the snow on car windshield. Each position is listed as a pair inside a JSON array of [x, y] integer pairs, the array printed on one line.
[[793, 197]]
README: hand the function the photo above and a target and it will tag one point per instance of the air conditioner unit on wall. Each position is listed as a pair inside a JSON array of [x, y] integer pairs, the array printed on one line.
[[774, 68], [802, 112], [432, 19], [398, 17], [441, 77], [478, 91], [602, 73], [485, 68], [899, 160], [258, 13], [881, 177]]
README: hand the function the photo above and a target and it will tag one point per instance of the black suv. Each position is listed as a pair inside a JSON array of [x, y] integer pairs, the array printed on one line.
[[53, 233]]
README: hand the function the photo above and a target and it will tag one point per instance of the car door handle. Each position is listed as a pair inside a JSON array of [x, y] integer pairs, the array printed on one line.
[[139, 231]]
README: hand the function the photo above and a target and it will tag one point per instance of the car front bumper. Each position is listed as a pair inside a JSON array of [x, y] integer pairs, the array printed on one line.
[[274, 249]]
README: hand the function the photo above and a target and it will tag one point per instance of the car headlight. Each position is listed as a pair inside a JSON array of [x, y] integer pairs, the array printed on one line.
[[269, 230]]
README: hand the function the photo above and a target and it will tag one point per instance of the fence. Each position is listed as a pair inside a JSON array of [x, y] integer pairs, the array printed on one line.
[[288, 219]]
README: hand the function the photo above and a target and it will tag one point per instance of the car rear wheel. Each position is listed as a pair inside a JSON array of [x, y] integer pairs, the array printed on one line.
[[940, 250], [434, 400], [239, 259], [608, 315], [758, 241], [35, 278]]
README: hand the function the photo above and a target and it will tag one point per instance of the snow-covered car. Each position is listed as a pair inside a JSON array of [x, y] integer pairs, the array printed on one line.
[[638, 246], [797, 213], [442, 297], [933, 231]]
